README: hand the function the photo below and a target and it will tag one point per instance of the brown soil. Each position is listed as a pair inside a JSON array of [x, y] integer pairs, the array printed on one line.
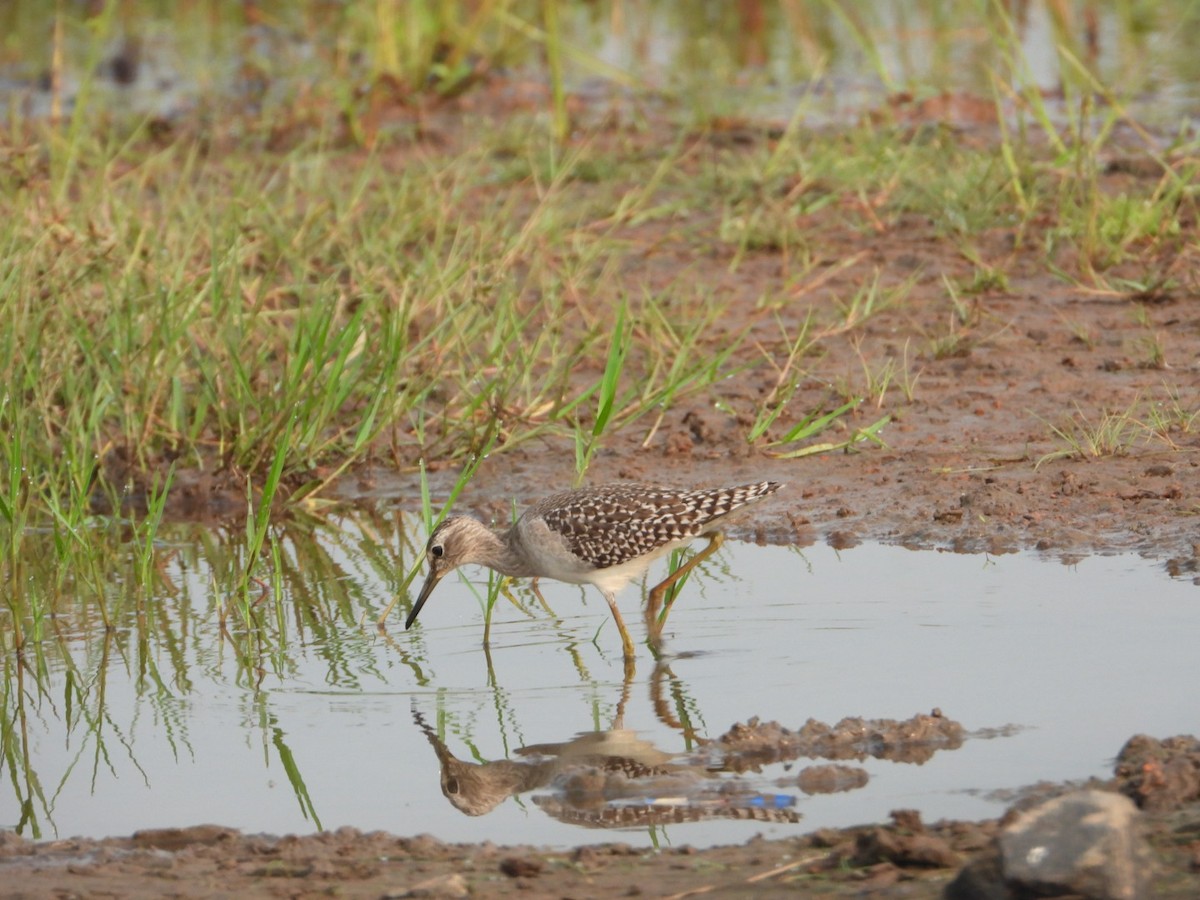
[[904, 858], [970, 459], [959, 471]]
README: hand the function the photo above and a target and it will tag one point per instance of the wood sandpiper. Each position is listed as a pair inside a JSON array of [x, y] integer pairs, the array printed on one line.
[[605, 535]]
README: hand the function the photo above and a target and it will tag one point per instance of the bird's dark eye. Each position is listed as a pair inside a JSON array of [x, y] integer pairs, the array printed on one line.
[[452, 785], [437, 551]]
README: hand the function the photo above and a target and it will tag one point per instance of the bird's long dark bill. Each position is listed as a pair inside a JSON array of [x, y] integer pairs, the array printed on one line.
[[431, 581]]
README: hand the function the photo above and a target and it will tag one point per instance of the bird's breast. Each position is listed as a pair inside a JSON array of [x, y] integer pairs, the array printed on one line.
[[549, 554]]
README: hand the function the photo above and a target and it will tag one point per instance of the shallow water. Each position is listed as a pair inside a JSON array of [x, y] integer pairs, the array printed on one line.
[[764, 60], [311, 718]]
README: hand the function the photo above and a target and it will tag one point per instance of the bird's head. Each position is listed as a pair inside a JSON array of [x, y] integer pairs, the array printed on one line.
[[450, 545]]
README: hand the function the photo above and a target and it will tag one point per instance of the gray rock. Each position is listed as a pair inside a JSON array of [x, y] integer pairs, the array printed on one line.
[[1084, 844]]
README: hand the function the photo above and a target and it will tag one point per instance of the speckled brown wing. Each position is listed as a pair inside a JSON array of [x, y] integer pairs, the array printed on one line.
[[612, 524]]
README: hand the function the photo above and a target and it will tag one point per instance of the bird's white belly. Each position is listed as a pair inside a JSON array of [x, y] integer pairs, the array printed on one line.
[[555, 560]]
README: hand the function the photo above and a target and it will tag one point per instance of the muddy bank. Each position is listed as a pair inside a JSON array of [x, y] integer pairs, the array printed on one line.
[[903, 858], [1046, 423]]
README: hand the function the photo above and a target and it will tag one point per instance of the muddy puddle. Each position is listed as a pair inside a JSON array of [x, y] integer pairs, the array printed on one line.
[[997, 672]]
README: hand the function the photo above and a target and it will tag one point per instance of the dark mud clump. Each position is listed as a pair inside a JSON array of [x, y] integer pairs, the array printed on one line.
[[1159, 776], [913, 740]]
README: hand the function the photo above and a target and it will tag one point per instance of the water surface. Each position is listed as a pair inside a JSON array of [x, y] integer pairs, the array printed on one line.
[[312, 718]]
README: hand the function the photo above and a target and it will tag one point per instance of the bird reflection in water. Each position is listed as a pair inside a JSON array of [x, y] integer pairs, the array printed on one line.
[[606, 779]]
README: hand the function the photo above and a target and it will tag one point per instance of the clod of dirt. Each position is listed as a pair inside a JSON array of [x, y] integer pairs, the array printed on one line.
[[882, 845], [1159, 776], [907, 843], [521, 866]]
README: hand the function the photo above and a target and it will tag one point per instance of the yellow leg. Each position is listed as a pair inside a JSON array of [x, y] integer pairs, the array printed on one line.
[[626, 640], [537, 592], [655, 622]]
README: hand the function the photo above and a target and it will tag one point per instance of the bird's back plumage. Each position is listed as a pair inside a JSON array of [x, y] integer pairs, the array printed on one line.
[[612, 524]]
